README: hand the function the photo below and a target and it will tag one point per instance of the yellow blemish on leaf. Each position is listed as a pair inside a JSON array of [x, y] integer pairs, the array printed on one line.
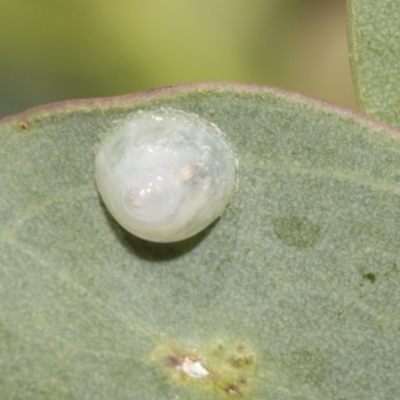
[[230, 369]]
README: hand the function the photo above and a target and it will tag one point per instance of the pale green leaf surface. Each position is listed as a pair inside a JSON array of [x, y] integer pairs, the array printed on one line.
[[292, 294], [374, 41]]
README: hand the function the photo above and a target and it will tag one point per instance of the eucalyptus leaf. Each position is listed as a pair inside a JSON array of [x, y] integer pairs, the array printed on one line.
[[291, 294], [374, 41]]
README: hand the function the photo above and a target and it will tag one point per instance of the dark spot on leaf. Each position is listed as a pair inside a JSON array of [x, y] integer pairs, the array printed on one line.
[[174, 361], [297, 231], [370, 276], [232, 390], [236, 388], [23, 125]]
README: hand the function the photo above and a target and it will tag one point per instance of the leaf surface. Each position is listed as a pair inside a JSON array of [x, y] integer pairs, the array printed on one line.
[[291, 294], [374, 41]]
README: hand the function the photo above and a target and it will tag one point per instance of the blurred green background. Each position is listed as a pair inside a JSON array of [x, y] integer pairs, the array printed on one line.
[[52, 50]]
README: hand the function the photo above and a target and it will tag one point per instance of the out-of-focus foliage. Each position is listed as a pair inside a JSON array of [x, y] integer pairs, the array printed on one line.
[[58, 49], [374, 38]]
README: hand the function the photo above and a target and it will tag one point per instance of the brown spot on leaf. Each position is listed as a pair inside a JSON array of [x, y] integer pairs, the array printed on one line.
[[370, 276], [23, 125], [235, 389], [174, 361]]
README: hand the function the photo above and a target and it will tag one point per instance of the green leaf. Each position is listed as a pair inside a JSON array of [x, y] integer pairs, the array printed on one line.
[[291, 294], [374, 41]]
